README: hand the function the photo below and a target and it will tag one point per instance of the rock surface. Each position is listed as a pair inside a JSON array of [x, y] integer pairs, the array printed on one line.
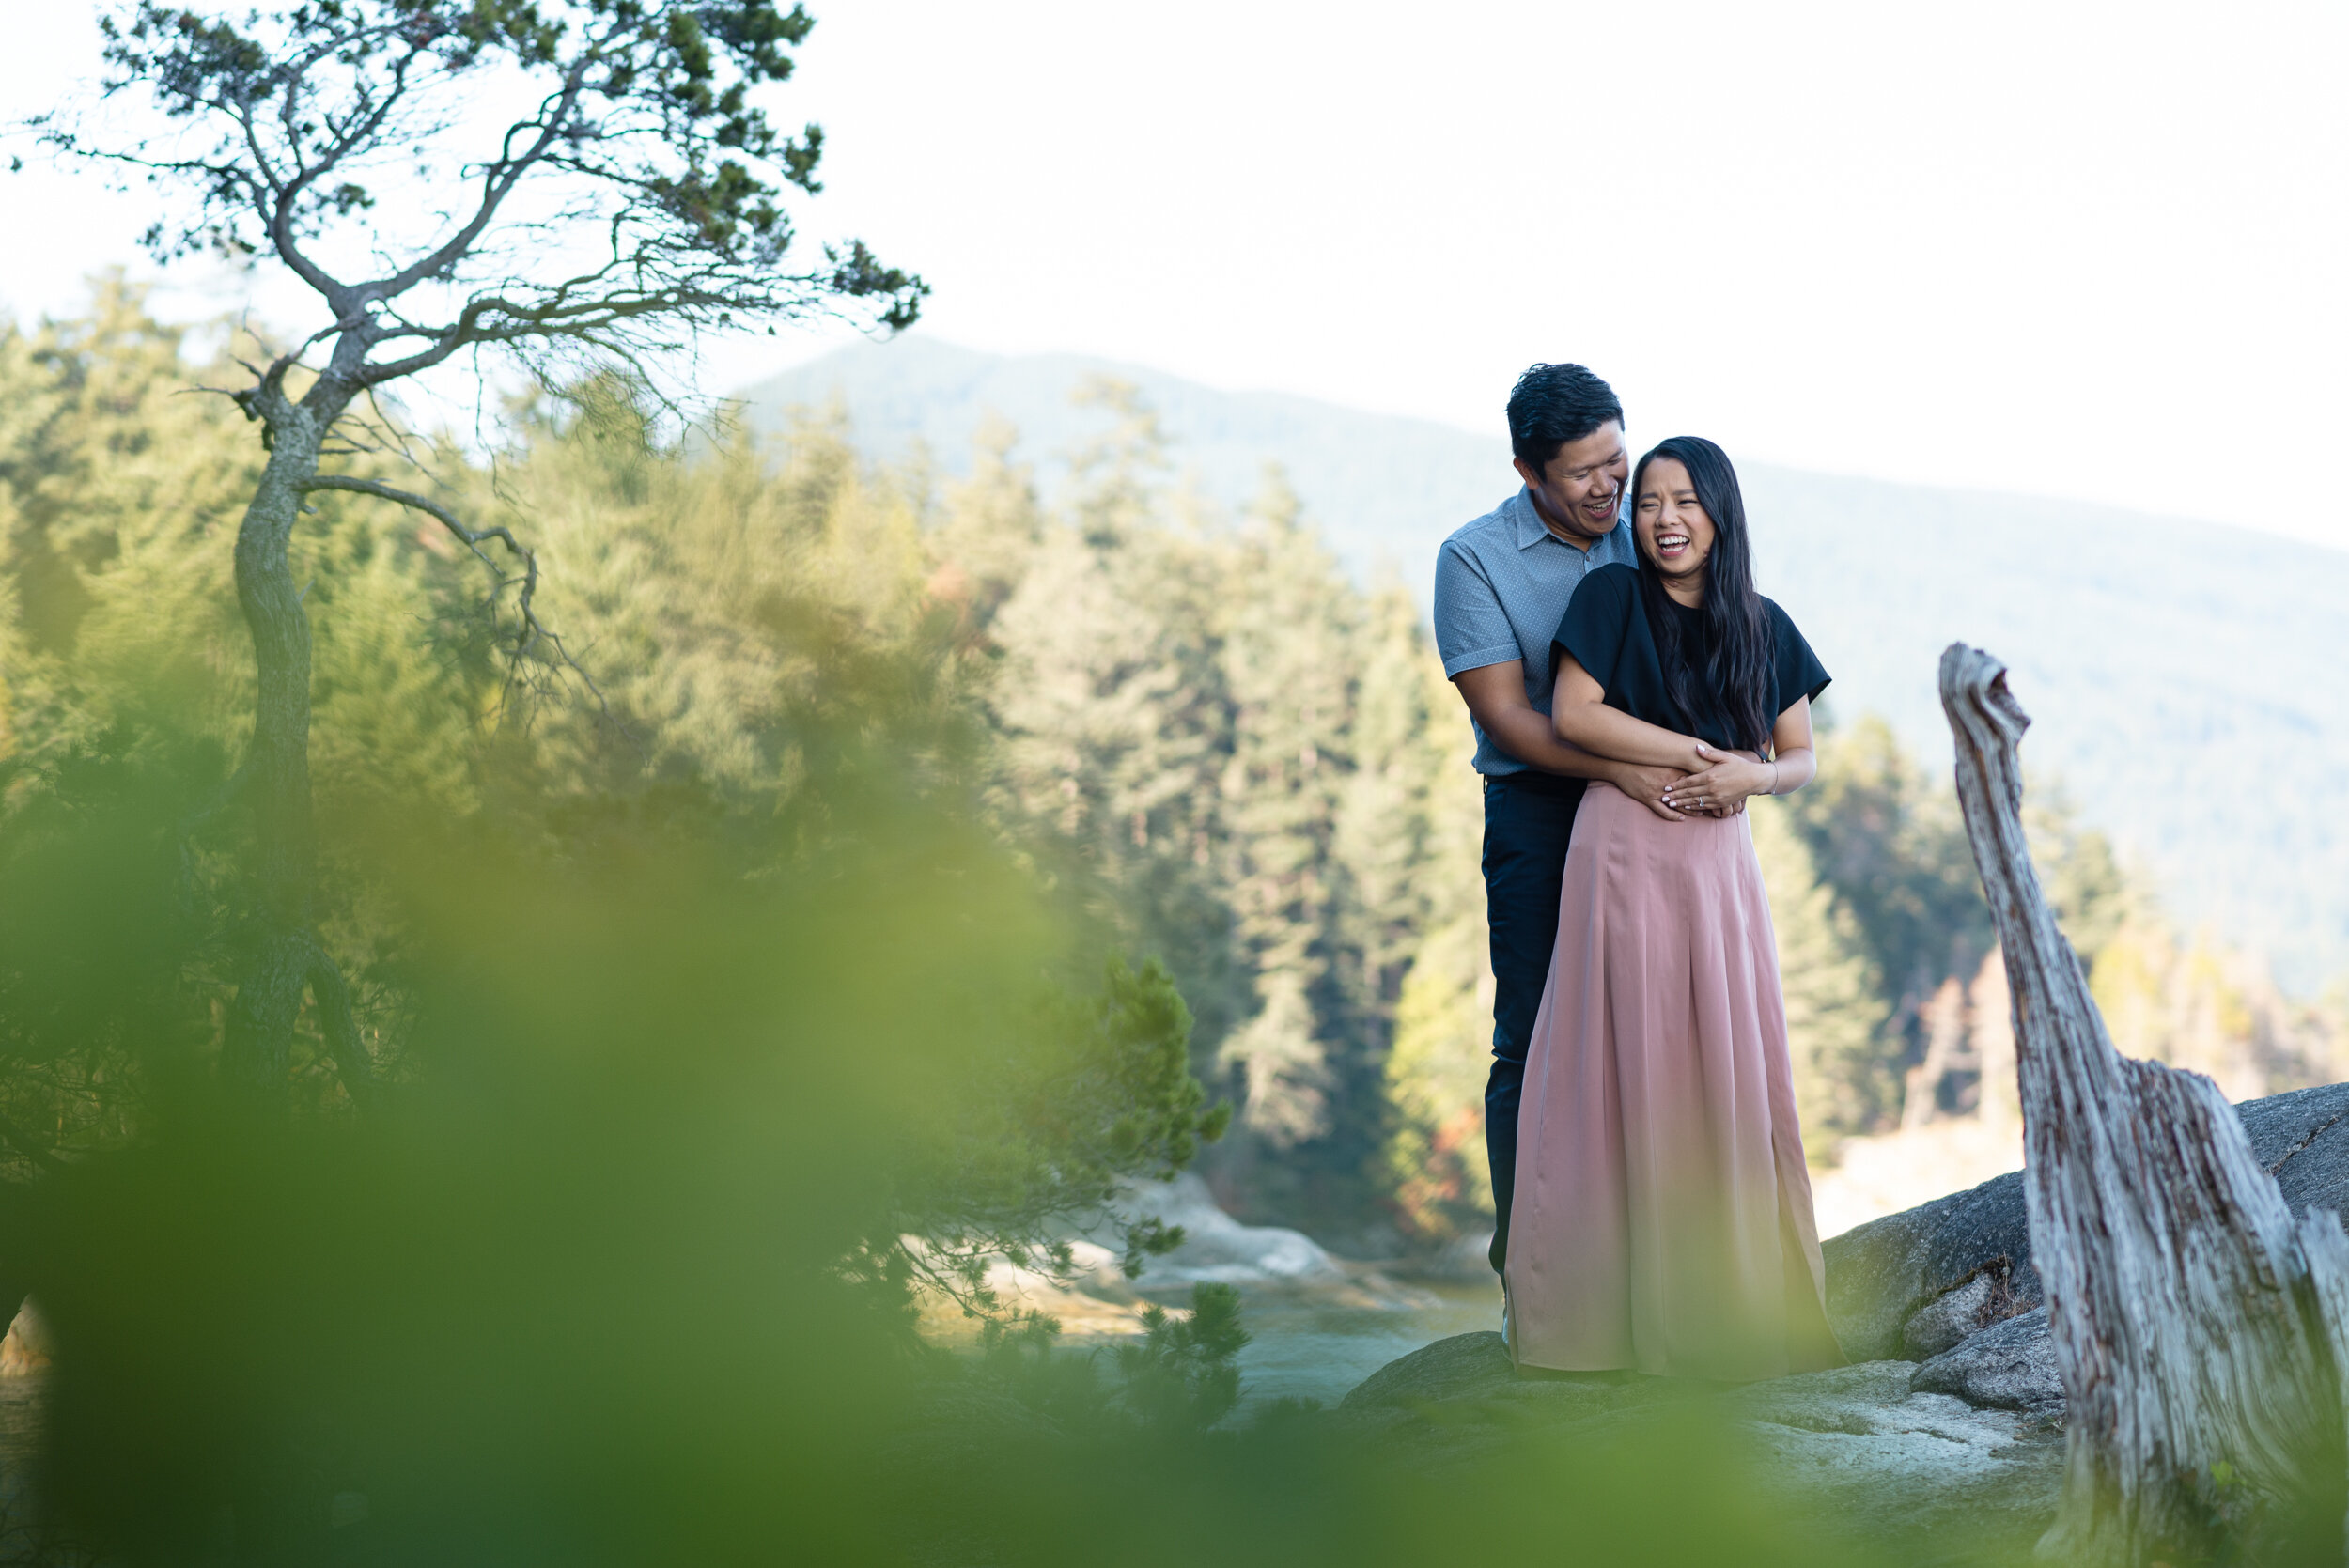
[[1217, 1248], [1860, 1447], [1463, 1366], [1881, 1276], [1952, 1317], [1963, 1449], [2007, 1366], [1880, 1273]]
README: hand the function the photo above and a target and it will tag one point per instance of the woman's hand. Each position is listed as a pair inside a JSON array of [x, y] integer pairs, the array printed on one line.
[[1719, 783]]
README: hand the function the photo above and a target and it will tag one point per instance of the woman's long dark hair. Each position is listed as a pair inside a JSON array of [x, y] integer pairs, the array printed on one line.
[[1740, 678]]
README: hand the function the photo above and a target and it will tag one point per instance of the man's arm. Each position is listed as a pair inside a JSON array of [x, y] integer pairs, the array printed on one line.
[[1495, 694]]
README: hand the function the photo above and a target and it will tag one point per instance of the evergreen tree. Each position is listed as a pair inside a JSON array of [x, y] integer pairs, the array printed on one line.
[[1111, 724], [630, 131], [1287, 638], [1845, 1079], [1435, 1163]]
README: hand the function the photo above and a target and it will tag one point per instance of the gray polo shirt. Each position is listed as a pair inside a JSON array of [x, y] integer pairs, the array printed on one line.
[[1501, 588]]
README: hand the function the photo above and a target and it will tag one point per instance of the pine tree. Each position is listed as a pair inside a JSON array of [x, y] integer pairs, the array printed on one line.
[[1111, 725], [1286, 635], [1434, 1165], [1844, 1080]]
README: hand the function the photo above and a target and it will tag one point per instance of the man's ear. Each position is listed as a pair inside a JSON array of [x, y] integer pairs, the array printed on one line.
[[1526, 471]]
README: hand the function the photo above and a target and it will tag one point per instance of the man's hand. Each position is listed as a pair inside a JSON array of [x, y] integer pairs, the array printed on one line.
[[1647, 786]]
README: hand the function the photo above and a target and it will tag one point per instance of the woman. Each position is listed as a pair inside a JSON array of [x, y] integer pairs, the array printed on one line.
[[1663, 1215]]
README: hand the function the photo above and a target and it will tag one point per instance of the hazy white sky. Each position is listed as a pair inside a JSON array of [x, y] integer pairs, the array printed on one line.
[[2083, 250]]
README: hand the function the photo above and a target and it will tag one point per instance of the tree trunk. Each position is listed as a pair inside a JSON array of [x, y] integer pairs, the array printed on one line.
[[2198, 1326], [261, 1024]]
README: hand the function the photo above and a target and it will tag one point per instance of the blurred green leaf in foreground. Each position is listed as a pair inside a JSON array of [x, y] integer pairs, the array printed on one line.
[[598, 1284]]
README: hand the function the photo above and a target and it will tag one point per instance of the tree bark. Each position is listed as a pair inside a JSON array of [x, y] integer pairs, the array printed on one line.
[[261, 1024], [2196, 1323]]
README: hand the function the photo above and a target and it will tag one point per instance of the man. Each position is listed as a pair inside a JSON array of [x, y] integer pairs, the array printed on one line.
[[1501, 588]]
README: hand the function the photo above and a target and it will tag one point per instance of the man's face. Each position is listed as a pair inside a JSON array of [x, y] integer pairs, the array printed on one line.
[[1579, 491]]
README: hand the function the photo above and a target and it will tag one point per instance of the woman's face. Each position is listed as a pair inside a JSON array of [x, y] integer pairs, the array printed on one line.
[[1675, 534]]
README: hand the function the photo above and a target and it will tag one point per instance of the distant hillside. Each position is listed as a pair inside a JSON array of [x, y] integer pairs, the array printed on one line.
[[2185, 677]]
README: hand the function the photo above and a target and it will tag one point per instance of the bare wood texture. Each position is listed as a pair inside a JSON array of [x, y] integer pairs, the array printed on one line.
[[2188, 1326], [260, 1023]]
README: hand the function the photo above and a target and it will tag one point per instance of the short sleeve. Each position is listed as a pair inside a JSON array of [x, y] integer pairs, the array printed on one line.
[[1597, 623], [1470, 629], [1800, 672]]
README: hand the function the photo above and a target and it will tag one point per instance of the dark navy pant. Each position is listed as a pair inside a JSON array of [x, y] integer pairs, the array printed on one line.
[[1528, 817]]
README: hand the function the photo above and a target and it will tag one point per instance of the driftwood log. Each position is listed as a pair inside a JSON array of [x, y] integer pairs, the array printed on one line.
[[2198, 1325]]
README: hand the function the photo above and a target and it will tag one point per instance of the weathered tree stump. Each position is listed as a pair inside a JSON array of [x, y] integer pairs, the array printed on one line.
[[2198, 1326]]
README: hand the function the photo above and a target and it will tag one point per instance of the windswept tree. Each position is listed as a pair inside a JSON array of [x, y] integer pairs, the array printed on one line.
[[548, 188]]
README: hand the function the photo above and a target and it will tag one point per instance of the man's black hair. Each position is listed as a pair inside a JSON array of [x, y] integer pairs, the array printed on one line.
[[1554, 404]]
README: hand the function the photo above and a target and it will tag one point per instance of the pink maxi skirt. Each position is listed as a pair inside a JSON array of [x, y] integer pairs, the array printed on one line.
[[1662, 1214]]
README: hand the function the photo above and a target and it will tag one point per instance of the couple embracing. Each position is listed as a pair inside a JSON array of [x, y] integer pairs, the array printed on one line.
[[1630, 692]]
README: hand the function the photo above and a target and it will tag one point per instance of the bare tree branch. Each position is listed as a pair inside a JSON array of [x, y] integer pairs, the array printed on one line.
[[533, 631], [498, 180]]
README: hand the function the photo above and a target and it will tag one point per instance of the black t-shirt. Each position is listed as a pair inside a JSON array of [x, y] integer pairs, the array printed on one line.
[[1606, 631]]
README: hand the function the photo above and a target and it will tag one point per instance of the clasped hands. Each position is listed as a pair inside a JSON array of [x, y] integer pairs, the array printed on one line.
[[1715, 784]]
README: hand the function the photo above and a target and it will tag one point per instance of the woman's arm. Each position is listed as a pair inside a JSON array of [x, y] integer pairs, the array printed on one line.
[[1728, 781], [1495, 695], [1579, 714]]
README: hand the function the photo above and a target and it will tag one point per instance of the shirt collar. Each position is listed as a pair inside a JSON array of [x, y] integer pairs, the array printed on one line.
[[1531, 530]]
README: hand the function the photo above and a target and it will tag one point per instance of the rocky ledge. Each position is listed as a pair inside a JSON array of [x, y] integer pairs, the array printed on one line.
[[1952, 1415], [1859, 1449], [1951, 1284]]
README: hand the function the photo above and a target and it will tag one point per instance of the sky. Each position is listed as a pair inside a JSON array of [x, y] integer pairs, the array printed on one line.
[[2068, 249]]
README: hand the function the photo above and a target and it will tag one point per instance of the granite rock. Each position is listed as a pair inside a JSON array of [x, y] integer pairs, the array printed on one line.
[[1881, 1458], [2007, 1366], [1857, 1449], [1951, 1316], [1878, 1275], [1465, 1366], [1881, 1275]]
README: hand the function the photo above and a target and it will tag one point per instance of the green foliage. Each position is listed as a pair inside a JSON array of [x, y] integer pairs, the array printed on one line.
[[1846, 1079], [777, 678], [1891, 910], [575, 1295], [660, 1102], [118, 495], [628, 204], [1181, 1373], [1893, 848], [1080, 1097], [1180, 1376], [1434, 1158], [1227, 750]]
